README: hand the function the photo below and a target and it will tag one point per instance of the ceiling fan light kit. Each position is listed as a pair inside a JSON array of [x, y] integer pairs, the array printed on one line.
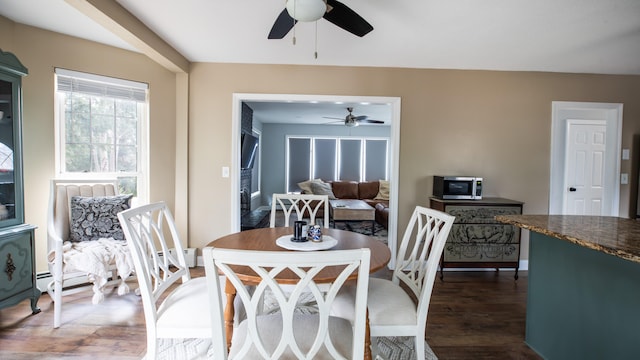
[[306, 10], [333, 11]]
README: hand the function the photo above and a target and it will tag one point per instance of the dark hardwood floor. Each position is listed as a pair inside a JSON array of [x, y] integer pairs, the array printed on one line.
[[473, 315], [479, 315]]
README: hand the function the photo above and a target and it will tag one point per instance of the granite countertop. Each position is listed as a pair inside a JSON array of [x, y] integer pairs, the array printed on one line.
[[612, 235]]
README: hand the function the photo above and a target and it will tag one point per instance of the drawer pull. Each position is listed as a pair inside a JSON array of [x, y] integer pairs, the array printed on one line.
[[10, 267]]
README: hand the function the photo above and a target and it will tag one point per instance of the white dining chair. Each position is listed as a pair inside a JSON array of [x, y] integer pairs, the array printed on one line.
[[288, 333], [304, 206], [392, 311], [175, 305]]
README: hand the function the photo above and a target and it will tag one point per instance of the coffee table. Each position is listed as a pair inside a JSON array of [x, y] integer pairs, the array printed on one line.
[[352, 210]]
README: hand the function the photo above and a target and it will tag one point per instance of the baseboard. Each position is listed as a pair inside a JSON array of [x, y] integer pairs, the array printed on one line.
[[524, 266]]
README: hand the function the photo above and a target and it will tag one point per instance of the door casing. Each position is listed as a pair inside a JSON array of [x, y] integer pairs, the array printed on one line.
[[394, 103], [562, 111]]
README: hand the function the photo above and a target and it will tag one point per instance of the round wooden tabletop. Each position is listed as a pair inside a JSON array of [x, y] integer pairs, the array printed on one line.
[[264, 239]]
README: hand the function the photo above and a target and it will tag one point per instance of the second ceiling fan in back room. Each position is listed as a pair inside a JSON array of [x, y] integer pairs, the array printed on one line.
[[312, 10], [352, 120]]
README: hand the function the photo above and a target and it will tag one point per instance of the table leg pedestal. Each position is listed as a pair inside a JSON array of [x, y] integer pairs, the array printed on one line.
[[367, 339], [229, 312]]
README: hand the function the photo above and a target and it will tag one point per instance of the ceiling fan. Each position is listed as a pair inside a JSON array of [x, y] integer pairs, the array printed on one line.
[[352, 120], [312, 10]]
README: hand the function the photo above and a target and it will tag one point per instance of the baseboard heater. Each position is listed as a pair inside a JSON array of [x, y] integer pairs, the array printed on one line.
[[44, 278], [189, 254]]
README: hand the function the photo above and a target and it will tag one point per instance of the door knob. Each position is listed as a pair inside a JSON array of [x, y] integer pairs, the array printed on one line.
[[572, 189]]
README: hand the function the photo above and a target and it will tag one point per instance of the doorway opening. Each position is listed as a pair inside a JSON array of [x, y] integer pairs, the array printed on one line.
[[393, 103], [568, 165]]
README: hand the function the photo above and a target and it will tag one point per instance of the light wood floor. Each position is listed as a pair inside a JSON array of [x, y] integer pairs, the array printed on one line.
[[473, 315]]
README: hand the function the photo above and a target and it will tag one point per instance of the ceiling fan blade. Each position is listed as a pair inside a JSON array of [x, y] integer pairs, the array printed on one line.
[[329, 117], [372, 121], [281, 27], [360, 118], [342, 16], [334, 122]]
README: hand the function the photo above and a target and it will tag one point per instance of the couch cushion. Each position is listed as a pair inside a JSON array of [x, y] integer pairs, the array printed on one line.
[[305, 186], [368, 189], [345, 189], [383, 193], [322, 188]]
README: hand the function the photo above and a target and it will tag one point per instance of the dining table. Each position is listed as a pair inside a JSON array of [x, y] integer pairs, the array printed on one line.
[[274, 238]]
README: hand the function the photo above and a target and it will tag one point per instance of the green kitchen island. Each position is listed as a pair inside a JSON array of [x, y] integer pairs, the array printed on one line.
[[583, 299]]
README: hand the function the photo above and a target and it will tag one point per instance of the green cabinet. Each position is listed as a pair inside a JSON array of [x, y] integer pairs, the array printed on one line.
[[17, 264], [476, 239], [17, 255]]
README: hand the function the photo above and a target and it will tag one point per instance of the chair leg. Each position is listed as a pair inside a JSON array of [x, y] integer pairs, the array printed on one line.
[[152, 348], [375, 350], [57, 303], [419, 348]]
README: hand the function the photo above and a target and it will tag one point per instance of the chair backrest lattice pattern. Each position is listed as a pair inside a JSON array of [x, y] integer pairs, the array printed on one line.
[[157, 251], [289, 333], [303, 205], [419, 253]]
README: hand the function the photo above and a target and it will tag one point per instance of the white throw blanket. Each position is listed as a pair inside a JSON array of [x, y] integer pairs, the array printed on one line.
[[94, 258]]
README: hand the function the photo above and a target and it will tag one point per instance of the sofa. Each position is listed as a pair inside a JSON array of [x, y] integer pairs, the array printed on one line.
[[374, 193]]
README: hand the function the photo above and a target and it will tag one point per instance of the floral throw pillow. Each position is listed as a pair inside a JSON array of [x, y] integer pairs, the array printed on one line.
[[93, 218]]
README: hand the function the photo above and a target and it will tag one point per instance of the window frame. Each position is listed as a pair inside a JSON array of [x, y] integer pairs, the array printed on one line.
[[142, 138]]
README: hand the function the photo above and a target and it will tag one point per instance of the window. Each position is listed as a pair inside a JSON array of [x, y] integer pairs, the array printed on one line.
[[333, 158], [101, 125]]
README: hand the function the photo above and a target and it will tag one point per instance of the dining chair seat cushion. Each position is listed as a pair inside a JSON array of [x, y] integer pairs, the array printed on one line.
[[383, 295], [304, 327], [183, 311]]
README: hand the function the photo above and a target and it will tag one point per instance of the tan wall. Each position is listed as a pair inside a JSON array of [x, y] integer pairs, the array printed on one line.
[[41, 51], [492, 124]]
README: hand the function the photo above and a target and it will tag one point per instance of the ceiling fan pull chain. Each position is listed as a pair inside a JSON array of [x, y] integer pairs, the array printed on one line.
[[294, 22], [316, 52]]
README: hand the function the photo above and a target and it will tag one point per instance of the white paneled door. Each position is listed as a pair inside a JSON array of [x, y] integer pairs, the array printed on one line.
[[585, 162]]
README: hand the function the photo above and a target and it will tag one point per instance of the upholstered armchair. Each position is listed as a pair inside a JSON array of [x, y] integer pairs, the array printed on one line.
[[85, 242]]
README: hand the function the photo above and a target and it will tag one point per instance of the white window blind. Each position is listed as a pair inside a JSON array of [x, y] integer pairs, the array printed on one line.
[[355, 159], [91, 84]]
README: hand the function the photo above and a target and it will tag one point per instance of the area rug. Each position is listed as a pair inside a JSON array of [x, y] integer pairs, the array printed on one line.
[[361, 227], [400, 348], [364, 227], [386, 348]]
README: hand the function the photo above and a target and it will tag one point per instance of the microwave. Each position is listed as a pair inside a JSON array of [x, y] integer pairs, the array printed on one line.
[[457, 187]]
